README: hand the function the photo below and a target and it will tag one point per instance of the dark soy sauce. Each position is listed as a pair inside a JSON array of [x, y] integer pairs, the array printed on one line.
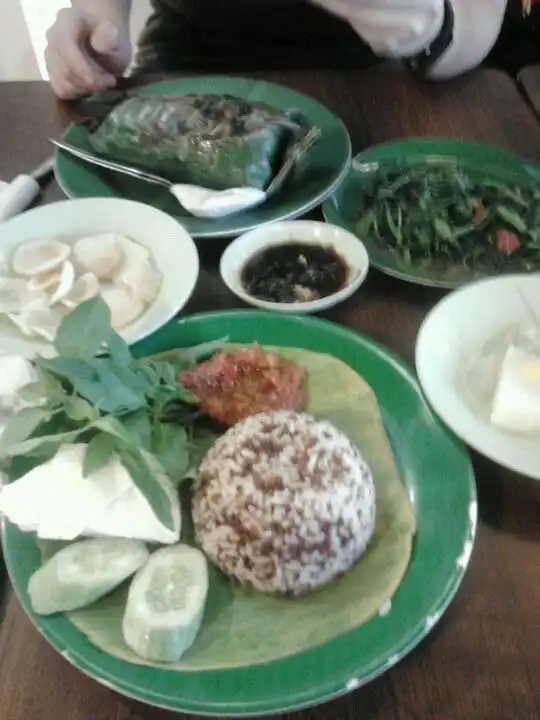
[[294, 272]]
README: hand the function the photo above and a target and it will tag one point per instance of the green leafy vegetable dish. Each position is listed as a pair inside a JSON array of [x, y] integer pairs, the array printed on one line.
[[442, 214], [203, 508], [442, 220]]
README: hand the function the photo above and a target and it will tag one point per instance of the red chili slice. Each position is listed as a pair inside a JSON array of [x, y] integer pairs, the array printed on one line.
[[507, 242]]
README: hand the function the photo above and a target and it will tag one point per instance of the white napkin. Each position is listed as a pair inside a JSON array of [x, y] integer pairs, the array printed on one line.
[[516, 404], [16, 196]]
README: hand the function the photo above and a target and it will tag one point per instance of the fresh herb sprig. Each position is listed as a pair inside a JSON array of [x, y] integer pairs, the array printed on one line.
[[95, 391]]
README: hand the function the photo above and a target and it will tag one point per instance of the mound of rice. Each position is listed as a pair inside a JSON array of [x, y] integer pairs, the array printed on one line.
[[284, 503]]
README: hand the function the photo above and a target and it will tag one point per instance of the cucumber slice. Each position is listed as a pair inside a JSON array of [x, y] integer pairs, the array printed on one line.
[[83, 572], [165, 604]]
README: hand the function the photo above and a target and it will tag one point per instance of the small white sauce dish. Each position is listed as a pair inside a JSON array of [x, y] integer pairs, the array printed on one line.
[[310, 232]]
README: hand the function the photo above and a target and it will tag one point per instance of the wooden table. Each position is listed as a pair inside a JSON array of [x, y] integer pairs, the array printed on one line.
[[483, 660], [529, 80]]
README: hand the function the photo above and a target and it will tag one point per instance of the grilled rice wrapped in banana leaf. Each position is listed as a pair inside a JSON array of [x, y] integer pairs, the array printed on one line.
[[212, 140]]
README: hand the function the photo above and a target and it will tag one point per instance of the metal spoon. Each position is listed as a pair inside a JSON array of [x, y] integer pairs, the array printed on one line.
[[198, 201]]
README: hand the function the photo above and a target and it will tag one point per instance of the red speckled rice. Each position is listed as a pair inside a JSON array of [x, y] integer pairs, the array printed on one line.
[[284, 502]]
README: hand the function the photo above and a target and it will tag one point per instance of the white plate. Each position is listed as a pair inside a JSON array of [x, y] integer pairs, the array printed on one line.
[[455, 332], [172, 248], [309, 232]]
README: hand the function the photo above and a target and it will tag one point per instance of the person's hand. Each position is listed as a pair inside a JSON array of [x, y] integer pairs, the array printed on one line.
[[85, 53], [393, 28]]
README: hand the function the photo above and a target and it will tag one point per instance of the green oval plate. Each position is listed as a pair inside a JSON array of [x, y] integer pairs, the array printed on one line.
[[318, 176], [437, 473], [341, 208]]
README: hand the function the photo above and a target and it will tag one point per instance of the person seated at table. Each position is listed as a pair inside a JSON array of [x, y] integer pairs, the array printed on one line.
[[89, 44]]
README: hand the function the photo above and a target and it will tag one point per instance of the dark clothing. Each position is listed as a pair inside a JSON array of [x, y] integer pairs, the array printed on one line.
[[519, 41], [220, 36], [240, 35]]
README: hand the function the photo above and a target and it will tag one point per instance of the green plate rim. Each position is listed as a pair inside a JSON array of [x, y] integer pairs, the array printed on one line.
[[433, 147], [212, 685], [341, 168]]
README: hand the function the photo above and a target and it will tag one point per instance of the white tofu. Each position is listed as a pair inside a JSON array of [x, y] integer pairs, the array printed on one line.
[[80, 499], [15, 373], [516, 403], [58, 503], [129, 515], [4, 420]]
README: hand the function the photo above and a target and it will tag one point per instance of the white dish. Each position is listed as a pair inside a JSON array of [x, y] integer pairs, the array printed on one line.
[[171, 248], [310, 232], [451, 337]]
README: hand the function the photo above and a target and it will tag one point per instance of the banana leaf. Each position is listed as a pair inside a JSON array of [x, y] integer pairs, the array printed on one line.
[[242, 627], [215, 141]]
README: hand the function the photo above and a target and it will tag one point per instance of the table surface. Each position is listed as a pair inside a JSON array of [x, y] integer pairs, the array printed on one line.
[[529, 80], [482, 662]]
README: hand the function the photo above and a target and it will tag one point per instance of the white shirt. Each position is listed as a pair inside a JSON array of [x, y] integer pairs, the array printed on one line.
[[404, 28]]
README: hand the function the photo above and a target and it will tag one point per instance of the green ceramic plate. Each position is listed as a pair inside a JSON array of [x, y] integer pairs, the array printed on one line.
[[477, 158], [324, 168], [438, 476]]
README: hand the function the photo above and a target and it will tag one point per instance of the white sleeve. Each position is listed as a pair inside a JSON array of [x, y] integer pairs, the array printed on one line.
[[477, 24], [392, 28], [407, 28]]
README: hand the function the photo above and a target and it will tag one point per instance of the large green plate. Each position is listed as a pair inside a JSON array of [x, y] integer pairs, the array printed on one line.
[[341, 208], [320, 173], [437, 473]]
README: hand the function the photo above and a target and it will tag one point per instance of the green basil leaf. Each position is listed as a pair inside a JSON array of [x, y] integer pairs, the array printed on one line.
[[81, 375], [78, 409], [52, 387], [29, 446], [200, 444], [147, 371], [139, 427], [130, 376], [120, 395], [21, 426], [99, 452], [119, 349], [143, 477], [84, 331], [113, 426], [162, 396], [165, 372], [170, 447]]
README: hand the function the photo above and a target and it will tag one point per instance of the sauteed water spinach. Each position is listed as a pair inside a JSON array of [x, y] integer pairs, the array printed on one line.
[[439, 214]]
